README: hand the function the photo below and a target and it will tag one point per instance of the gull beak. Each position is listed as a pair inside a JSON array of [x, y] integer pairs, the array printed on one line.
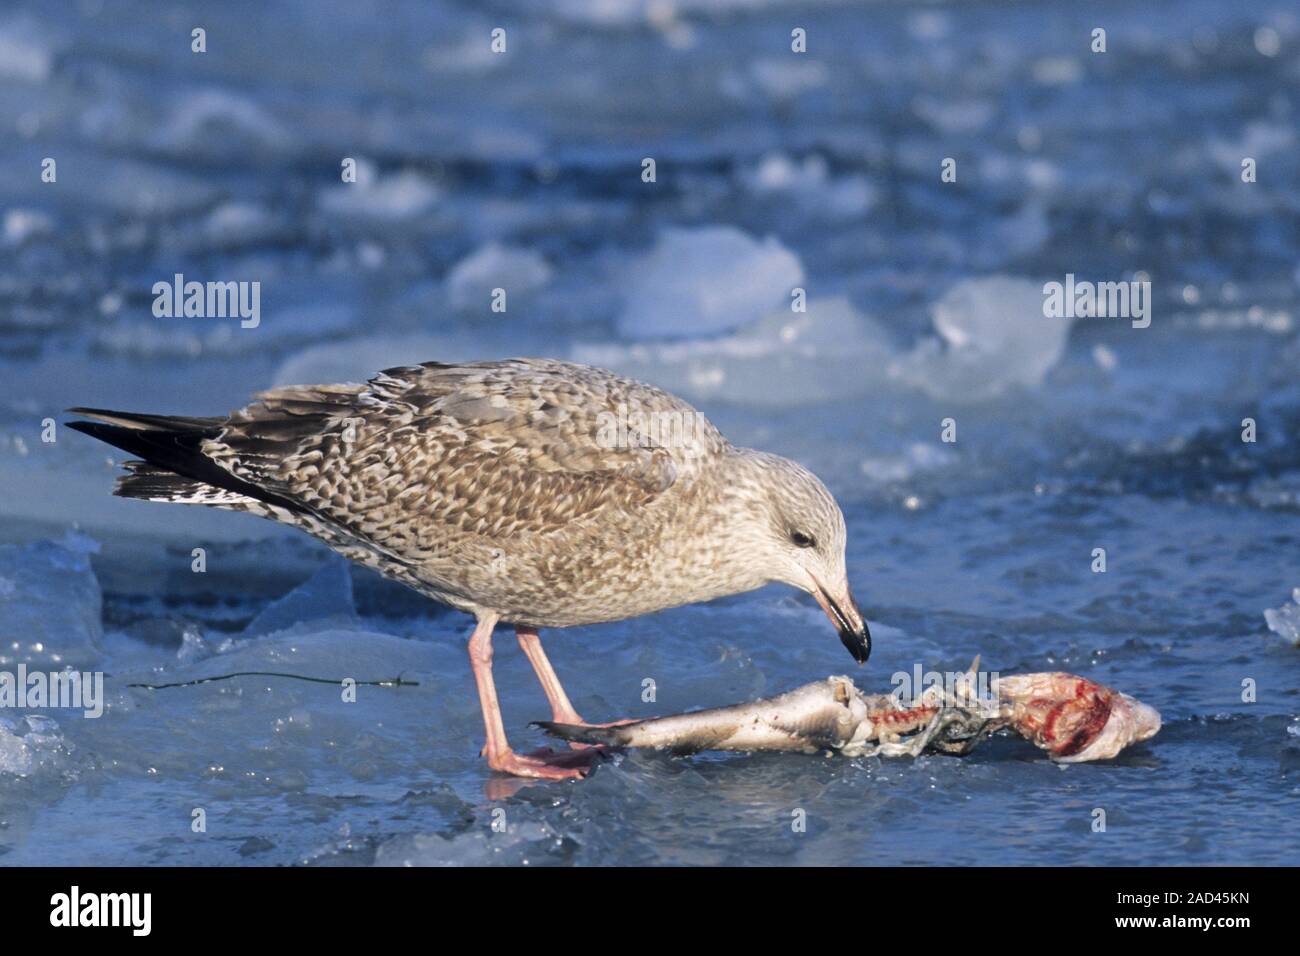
[[848, 620]]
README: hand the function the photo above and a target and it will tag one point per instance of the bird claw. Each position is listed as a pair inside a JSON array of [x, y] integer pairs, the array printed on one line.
[[547, 764]]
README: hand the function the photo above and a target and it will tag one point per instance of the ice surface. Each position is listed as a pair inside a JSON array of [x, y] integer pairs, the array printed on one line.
[[979, 546], [1285, 620], [50, 604], [324, 600], [517, 271], [992, 337], [30, 746], [698, 282]]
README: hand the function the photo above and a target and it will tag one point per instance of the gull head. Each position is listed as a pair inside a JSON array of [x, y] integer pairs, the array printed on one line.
[[798, 531]]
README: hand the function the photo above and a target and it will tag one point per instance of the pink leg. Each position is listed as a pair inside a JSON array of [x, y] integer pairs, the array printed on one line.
[[562, 711], [500, 757]]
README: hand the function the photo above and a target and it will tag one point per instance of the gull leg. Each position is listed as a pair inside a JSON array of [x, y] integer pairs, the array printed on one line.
[[544, 766], [562, 711]]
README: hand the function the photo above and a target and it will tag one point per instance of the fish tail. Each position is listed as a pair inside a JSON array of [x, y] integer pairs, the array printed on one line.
[[620, 736]]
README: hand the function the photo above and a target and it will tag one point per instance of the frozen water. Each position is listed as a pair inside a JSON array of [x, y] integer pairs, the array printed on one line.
[[993, 336], [698, 282], [828, 351], [1285, 620], [50, 604], [774, 170], [26, 53], [809, 185], [517, 271], [322, 601], [30, 746], [394, 197]]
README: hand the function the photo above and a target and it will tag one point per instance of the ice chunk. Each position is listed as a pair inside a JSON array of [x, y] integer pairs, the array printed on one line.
[[1285, 620], [786, 78], [216, 120], [518, 271], [50, 604], [26, 55], [518, 844], [809, 185], [993, 336], [698, 282], [918, 457], [30, 745], [325, 599], [829, 351], [239, 223], [21, 225], [393, 198]]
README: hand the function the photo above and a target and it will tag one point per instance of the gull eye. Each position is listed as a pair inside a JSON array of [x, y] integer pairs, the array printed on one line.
[[802, 540]]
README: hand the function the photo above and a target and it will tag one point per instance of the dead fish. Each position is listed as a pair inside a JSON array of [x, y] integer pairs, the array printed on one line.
[[830, 714], [1072, 718]]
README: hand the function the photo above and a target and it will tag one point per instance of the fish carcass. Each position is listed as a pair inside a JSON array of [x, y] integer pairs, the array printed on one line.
[[1072, 718]]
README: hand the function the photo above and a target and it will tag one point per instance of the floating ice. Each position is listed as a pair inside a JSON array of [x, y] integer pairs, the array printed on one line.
[[918, 457], [397, 197], [518, 271], [1285, 620], [25, 55], [50, 604], [23, 224], [698, 282], [993, 336], [239, 223], [809, 185], [216, 120], [325, 599], [829, 351]]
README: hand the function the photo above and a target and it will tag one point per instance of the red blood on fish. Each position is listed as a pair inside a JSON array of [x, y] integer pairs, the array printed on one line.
[[1085, 715]]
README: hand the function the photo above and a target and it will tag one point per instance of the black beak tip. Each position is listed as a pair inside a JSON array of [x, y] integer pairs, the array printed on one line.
[[858, 643]]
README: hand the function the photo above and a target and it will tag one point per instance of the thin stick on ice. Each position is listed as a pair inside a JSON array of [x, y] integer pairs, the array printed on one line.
[[1072, 718]]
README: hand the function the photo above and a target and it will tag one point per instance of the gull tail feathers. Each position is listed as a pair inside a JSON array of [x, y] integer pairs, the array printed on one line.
[[172, 464]]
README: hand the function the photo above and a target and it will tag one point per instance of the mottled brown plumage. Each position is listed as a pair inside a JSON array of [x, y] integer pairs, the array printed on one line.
[[533, 491]]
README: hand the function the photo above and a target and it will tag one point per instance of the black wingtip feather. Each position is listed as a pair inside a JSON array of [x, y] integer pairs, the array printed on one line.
[[176, 448]]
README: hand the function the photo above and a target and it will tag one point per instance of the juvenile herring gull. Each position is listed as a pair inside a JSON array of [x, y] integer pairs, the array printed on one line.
[[530, 491]]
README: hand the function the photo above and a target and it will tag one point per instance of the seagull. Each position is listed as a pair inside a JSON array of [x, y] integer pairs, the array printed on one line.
[[534, 492]]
